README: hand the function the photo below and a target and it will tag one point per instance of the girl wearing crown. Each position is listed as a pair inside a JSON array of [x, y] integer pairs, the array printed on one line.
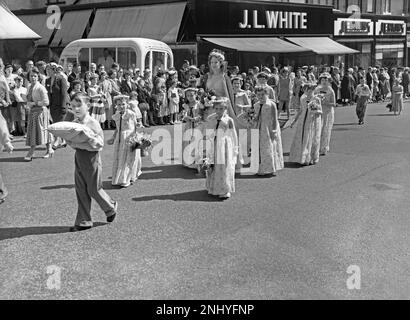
[[328, 108], [191, 116], [306, 143], [127, 162], [221, 136], [219, 82]]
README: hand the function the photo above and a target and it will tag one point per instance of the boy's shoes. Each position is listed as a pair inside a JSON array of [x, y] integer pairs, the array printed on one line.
[[79, 228], [112, 218]]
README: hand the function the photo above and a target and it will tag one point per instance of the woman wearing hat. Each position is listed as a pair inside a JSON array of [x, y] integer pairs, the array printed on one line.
[[284, 88], [306, 142], [325, 90]]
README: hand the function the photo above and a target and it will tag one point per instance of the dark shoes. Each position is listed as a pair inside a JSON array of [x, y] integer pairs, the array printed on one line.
[[112, 218]]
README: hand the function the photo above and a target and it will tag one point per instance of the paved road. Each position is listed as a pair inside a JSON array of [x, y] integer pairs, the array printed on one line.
[[289, 237]]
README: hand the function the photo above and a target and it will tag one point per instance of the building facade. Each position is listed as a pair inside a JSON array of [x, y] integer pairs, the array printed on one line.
[[294, 32]]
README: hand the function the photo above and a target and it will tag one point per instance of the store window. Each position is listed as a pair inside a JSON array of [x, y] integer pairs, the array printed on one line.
[[127, 58], [390, 54]]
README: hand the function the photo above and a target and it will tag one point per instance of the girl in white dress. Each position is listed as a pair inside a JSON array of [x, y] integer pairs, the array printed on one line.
[[306, 143], [191, 116], [222, 136]]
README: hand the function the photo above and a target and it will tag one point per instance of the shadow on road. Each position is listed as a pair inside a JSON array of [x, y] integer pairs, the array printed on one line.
[[12, 233], [169, 172], [15, 159], [382, 115], [62, 186], [345, 124], [200, 195]]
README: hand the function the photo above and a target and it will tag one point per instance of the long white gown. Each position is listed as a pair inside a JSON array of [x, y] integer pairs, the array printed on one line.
[[306, 143], [328, 117], [270, 149]]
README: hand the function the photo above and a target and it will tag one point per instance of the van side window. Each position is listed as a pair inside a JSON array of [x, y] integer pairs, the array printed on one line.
[[104, 56], [127, 58], [158, 60], [83, 57]]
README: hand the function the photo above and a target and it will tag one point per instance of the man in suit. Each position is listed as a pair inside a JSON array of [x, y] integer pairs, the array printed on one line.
[[75, 75], [127, 85], [58, 97]]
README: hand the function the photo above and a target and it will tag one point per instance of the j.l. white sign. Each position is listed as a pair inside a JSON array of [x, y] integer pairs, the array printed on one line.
[[273, 20]]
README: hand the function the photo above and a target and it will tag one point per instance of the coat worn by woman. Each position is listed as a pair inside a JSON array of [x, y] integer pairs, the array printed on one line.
[[306, 143]]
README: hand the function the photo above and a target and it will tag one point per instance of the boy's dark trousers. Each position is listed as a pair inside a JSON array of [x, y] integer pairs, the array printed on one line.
[[88, 185], [3, 190]]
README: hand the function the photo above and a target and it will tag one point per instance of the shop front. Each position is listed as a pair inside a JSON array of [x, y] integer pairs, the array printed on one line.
[[391, 43], [261, 33], [378, 42]]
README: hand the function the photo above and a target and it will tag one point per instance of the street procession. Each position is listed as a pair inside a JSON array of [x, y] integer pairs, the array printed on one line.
[[192, 156]]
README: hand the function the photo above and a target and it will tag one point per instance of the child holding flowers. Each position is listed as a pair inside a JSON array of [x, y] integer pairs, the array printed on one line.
[[127, 161]]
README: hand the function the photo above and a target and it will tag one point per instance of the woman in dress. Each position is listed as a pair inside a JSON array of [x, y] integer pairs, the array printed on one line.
[[219, 83], [106, 89], [39, 117], [241, 99], [328, 109], [191, 116], [306, 143], [97, 109], [222, 136], [397, 97], [297, 89], [127, 162], [270, 140]]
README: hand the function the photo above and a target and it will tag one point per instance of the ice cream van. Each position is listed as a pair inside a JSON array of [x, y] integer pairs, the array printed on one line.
[[127, 52]]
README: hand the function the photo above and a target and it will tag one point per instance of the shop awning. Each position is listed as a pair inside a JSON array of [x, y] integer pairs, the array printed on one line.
[[73, 24], [271, 45], [322, 45], [38, 22], [159, 22], [11, 27]]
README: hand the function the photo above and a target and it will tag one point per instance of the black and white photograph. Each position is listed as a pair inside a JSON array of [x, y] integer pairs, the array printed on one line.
[[204, 151]]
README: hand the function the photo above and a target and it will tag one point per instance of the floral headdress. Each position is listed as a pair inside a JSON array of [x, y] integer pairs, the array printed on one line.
[[218, 54]]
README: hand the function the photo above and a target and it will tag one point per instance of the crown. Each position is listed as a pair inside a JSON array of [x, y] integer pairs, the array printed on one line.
[[217, 53]]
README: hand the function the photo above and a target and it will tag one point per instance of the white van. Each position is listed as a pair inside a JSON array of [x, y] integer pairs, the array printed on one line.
[[127, 52]]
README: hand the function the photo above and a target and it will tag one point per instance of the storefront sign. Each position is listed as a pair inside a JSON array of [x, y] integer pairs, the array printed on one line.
[[248, 18], [348, 27], [275, 20], [390, 28]]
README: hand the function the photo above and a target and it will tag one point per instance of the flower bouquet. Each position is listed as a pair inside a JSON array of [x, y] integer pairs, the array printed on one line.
[[205, 166], [140, 141], [315, 105]]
